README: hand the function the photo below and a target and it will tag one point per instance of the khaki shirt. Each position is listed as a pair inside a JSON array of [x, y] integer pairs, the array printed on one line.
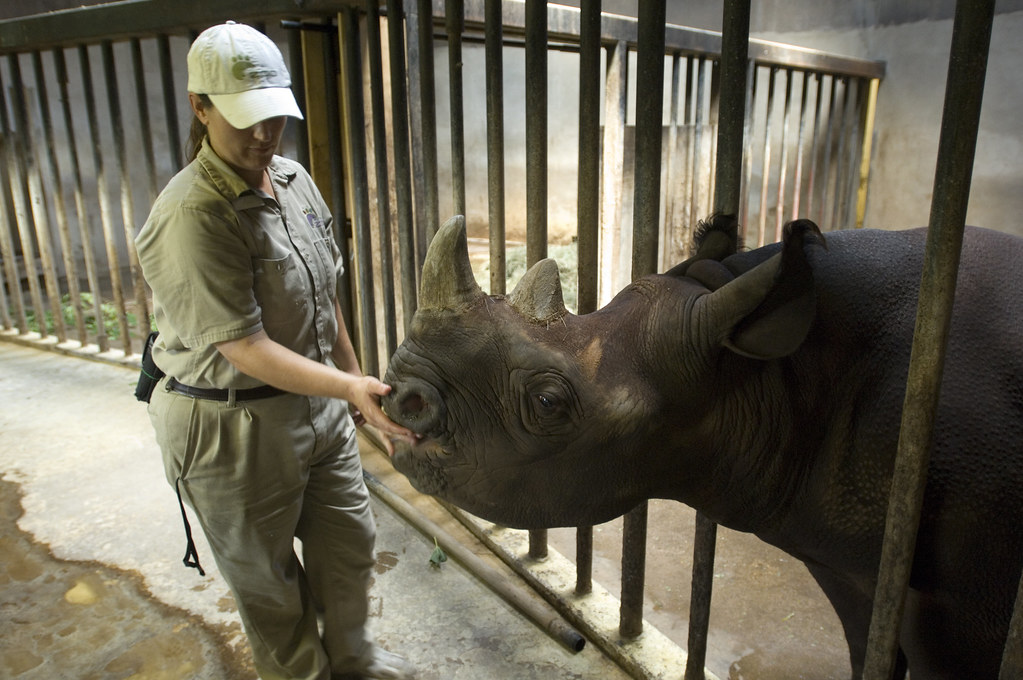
[[225, 261]]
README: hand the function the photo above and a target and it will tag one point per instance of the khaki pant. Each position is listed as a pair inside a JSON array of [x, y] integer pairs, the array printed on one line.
[[257, 475]]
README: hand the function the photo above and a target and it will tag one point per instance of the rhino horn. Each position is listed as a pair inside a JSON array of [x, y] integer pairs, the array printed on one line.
[[538, 296], [448, 281]]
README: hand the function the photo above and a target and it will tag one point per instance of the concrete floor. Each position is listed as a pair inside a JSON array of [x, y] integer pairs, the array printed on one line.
[[91, 581], [92, 586]]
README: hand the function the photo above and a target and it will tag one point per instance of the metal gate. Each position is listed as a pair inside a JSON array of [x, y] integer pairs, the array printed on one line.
[[94, 105]]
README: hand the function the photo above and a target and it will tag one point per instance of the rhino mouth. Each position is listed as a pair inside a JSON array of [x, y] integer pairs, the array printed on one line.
[[426, 464]]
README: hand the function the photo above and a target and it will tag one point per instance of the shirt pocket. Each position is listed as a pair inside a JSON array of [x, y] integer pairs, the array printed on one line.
[[281, 288]]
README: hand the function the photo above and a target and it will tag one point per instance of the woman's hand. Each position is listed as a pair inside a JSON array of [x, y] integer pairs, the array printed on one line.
[[365, 406]]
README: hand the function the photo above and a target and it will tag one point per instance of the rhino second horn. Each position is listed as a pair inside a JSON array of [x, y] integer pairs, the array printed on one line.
[[538, 296], [448, 281]]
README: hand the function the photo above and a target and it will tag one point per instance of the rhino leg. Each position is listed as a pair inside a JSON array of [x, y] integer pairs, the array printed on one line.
[[854, 611]]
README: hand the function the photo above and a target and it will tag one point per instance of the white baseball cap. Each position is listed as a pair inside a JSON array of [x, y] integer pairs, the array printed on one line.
[[243, 73]]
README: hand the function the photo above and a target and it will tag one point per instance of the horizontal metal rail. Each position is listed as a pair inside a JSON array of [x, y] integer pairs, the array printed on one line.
[[145, 18]]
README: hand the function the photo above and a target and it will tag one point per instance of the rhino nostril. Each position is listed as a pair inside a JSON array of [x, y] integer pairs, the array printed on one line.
[[413, 405]]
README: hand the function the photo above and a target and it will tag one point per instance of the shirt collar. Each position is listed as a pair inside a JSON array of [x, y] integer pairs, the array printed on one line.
[[228, 182]]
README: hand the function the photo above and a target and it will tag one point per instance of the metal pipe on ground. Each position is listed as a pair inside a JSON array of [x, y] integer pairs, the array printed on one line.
[[540, 613]]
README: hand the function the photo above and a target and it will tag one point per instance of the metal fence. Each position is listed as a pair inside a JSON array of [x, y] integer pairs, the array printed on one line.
[[94, 112]]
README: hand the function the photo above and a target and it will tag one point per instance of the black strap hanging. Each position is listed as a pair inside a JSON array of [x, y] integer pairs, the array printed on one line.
[[191, 555]]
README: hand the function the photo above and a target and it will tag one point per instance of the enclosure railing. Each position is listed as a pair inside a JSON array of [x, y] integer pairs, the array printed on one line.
[[94, 110]]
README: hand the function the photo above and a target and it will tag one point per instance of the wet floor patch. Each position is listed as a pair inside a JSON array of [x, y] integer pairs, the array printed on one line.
[[84, 620]]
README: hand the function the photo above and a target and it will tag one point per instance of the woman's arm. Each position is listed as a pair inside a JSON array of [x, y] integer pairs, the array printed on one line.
[[262, 358]]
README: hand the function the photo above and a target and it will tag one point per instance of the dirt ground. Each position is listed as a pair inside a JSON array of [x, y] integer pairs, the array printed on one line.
[[77, 614]]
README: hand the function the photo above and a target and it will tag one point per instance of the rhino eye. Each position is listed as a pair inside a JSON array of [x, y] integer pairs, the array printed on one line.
[[548, 404]]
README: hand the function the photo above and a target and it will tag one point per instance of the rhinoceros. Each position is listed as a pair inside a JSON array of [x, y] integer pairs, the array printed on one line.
[[762, 388]]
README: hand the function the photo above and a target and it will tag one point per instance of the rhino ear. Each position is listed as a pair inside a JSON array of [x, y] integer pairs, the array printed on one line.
[[448, 281], [538, 296], [767, 312]]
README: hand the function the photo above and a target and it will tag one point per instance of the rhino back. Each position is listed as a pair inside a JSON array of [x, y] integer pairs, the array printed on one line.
[[867, 285]]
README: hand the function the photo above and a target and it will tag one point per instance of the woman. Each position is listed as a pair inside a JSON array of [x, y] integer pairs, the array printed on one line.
[[253, 416]]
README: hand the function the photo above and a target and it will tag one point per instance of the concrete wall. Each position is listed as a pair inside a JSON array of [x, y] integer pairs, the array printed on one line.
[[909, 118]]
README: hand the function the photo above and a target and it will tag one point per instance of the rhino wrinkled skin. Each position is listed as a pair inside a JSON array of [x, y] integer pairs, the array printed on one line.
[[764, 389]]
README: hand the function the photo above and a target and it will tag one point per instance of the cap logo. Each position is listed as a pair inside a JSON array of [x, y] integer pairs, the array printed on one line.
[[243, 69]]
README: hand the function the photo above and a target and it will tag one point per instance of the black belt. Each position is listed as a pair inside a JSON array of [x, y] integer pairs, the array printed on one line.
[[213, 394]]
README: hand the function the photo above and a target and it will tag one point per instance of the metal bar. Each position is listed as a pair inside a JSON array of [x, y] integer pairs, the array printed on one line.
[[52, 172], [836, 197], [84, 221], [814, 141], [20, 174], [646, 209], [145, 128], [427, 110], [415, 115], [766, 160], [127, 202], [103, 192], [704, 546], [667, 250], [538, 544], [869, 113], [649, 134], [536, 165], [797, 176], [712, 115], [314, 42], [11, 225], [971, 38], [691, 129], [588, 211], [42, 218], [335, 153], [747, 161], [495, 145], [613, 166], [850, 165], [402, 161], [697, 139], [584, 560], [732, 106], [5, 314], [536, 130], [10, 272], [634, 530], [779, 208], [297, 66], [169, 98], [826, 165], [455, 21], [357, 180], [377, 108]]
